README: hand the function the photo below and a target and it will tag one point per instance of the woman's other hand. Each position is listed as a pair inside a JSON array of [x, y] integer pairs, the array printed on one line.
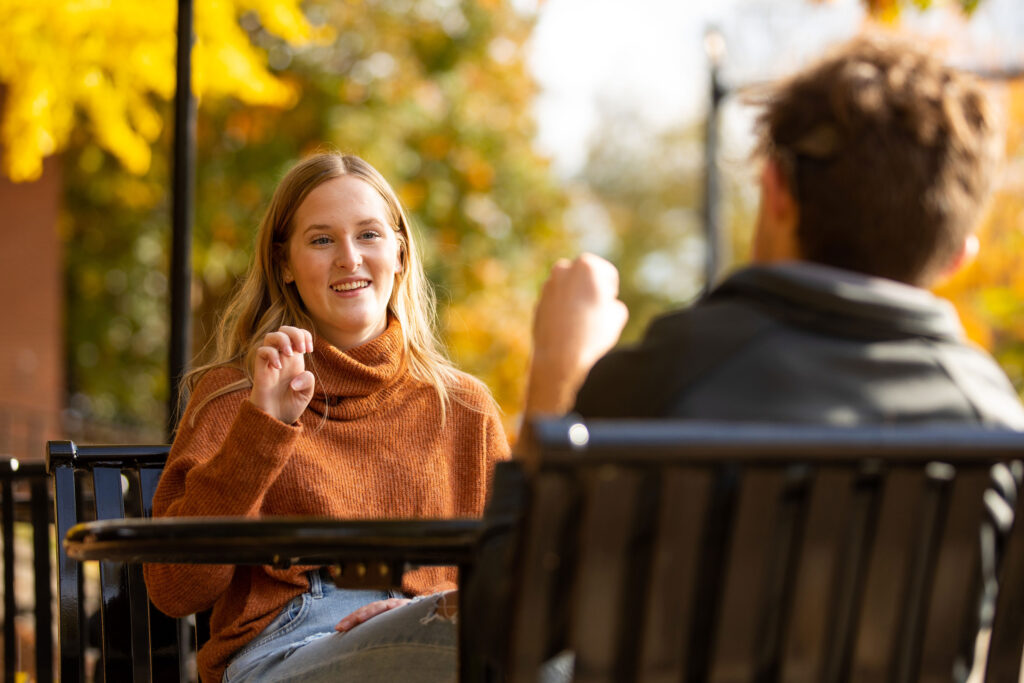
[[367, 612], [281, 385]]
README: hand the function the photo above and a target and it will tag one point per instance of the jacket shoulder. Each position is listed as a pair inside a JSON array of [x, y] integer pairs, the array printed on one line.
[[678, 348]]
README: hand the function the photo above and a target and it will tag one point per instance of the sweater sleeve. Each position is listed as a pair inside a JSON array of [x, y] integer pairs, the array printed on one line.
[[225, 457], [498, 448], [488, 442]]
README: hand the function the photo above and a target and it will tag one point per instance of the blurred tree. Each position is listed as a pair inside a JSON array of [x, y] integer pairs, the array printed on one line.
[[65, 62], [889, 10], [638, 204], [434, 93]]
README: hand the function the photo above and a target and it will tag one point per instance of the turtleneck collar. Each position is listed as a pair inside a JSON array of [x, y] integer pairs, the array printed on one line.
[[356, 382]]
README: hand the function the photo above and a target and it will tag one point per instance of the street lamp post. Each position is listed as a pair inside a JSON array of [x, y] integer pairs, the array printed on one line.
[[183, 198], [714, 48]]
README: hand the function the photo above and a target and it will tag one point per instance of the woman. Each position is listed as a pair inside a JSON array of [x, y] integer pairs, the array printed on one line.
[[327, 397]]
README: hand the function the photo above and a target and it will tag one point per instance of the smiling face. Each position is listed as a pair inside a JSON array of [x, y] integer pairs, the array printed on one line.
[[343, 255]]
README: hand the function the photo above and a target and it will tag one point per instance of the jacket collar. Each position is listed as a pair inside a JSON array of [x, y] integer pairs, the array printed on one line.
[[829, 299]]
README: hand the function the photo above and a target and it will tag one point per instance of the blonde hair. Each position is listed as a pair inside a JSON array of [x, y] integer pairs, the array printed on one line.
[[264, 301]]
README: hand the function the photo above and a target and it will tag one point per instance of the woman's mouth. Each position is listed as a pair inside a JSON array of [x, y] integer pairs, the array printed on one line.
[[349, 286]]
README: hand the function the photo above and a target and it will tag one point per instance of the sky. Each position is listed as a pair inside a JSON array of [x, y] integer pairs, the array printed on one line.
[[649, 55]]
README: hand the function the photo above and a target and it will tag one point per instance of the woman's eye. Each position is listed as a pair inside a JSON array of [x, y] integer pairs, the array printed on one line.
[[369, 235], [321, 240]]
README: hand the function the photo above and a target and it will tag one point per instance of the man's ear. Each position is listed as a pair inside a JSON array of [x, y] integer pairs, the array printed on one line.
[[964, 256], [775, 236], [777, 194]]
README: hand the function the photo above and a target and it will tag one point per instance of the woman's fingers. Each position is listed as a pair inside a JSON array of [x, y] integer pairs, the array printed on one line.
[[285, 347], [290, 340], [280, 341], [270, 356], [367, 612], [302, 383], [282, 387], [297, 338]]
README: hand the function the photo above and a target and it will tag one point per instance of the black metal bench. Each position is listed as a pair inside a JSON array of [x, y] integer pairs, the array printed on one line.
[[24, 489], [138, 642], [717, 552], [672, 550]]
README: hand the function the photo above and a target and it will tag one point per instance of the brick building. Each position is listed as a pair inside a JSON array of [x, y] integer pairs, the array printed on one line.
[[31, 335]]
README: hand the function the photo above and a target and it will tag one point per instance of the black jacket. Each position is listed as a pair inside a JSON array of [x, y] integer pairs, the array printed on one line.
[[800, 342]]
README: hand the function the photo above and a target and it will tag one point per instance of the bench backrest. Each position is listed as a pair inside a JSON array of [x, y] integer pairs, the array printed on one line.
[[24, 498], [112, 482], [686, 551]]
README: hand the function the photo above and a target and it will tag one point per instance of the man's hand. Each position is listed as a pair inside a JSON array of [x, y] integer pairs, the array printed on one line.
[[367, 612], [281, 385], [578, 319]]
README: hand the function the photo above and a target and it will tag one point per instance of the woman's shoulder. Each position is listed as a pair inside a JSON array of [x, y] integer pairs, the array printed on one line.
[[473, 405], [468, 393], [219, 385], [216, 380], [466, 385]]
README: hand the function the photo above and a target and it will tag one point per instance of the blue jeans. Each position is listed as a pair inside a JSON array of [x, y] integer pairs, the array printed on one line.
[[410, 643]]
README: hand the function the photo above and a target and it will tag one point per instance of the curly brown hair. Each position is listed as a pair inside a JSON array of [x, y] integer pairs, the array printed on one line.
[[889, 153]]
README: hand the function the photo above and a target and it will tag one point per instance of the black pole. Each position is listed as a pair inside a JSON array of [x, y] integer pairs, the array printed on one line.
[[714, 45], [183, 215]]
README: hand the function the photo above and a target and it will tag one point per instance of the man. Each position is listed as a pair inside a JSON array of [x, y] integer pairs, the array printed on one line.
[[877, 164]]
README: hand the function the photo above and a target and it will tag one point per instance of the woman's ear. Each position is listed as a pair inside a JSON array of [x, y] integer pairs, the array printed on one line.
[[280, 258]]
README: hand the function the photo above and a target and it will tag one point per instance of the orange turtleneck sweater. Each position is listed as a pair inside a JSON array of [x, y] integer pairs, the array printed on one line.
[[382, 451]]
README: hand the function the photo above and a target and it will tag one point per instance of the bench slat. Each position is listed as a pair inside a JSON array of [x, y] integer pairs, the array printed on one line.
[[544, 559], [600, 584], [669, 595]]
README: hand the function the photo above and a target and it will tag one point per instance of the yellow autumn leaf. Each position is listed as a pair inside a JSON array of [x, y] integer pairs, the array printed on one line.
[[104, 62]]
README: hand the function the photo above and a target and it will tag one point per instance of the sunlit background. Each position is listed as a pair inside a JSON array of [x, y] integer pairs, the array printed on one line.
[[515, 132]]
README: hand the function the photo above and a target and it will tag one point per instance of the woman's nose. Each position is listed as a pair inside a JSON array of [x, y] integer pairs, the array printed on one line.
[[348, 256]]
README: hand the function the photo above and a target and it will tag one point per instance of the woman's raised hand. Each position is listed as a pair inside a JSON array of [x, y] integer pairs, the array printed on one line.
[[281, 385]]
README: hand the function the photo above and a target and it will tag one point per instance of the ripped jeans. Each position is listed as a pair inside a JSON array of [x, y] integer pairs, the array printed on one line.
[[409, 643]]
